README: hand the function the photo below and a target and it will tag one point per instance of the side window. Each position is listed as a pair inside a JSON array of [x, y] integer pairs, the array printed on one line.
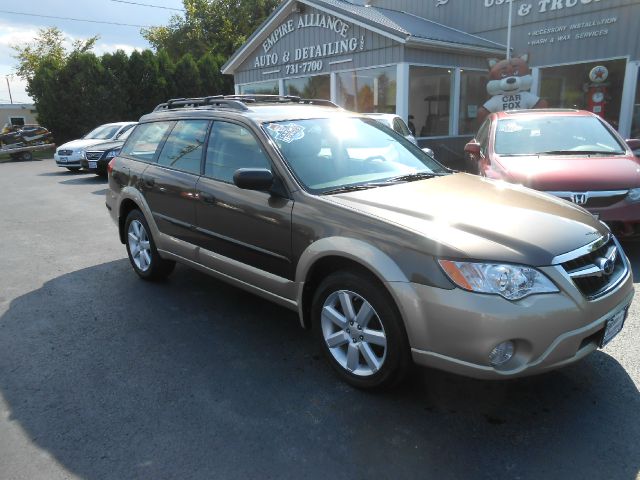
[[483, 136], [400, 127], [143, 142], [183, 148], [231, 147], [124, 130]]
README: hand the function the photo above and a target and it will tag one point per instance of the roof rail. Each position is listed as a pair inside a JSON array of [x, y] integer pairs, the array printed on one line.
[[237, 102], [282, 99], [214, 101]]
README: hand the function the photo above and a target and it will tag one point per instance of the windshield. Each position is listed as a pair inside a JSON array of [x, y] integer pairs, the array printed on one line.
[[328, 154], [103, 132], [555, 135]]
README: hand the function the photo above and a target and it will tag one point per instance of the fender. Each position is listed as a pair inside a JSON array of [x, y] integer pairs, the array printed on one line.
[[367, 255]]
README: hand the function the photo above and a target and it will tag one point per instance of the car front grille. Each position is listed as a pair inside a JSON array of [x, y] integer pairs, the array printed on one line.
[[65, 152], [93, 155], [594, 199], [599, 269], [599, 202]]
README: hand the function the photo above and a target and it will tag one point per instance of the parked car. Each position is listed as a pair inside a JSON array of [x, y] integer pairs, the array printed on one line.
[[96, 157], [69, 155], [394, 122], [572, 154], [384, 253]]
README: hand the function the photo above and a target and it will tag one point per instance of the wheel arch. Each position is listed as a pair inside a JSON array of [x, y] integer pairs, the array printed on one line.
[[126, 206], [330, 255]]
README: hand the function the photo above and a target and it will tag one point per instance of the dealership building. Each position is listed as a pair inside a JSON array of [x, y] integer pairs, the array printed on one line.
[[427, 60]]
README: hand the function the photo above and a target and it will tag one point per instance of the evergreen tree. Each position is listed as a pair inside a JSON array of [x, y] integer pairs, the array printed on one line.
[[187, 77]]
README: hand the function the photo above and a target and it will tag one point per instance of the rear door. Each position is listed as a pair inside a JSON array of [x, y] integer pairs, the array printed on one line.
[[168, 183], [251, 227]]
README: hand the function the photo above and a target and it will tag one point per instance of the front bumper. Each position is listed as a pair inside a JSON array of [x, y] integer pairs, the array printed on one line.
[[74, 160], [455, 330], [101, 166], [623, 218]]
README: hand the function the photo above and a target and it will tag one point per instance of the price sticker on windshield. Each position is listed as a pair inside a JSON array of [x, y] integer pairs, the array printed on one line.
[[509, 127], [286, 133]]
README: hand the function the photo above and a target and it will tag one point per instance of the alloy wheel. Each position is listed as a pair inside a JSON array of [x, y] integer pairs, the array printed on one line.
[[139, 245], [353, 333]]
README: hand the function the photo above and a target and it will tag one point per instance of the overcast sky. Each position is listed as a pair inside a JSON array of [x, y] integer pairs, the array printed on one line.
[[20, 29]]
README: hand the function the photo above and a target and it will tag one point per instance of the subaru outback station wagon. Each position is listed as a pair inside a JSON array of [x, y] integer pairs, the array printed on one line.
[[385, 254]]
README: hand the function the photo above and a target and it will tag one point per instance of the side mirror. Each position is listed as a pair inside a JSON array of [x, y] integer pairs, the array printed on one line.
[[472, 148], [429, 152], [253, 178], [634, 144]]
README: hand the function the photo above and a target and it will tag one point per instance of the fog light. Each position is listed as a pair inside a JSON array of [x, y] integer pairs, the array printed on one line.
[[501, 353]]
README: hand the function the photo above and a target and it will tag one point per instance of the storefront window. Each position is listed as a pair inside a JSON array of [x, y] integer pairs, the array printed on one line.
[[569, 86], [369, 90], [260, 88], [473, 94], [429, 100], [635, 121], [318, 86]]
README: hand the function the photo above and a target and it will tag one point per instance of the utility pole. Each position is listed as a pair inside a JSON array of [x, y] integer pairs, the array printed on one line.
[[509, 31], [9, 87]]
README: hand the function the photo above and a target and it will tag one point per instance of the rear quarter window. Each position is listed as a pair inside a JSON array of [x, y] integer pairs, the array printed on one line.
[[145, 139]]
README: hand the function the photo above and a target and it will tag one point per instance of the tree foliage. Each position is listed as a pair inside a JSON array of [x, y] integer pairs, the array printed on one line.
[[47, 46], [210, 26], [74, 90]]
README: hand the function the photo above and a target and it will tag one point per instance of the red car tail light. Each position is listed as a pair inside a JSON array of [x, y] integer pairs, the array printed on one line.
[[110, 165]]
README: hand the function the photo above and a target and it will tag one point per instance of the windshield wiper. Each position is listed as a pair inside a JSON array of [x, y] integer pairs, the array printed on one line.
[[578, 152], [352, 188], [410, 177]]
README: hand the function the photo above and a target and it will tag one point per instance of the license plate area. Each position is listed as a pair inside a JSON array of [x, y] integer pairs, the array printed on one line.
[[63, 159], [93, 164], [614, 325]]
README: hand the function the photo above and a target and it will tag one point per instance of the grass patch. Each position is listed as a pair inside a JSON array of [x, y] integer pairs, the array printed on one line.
[[38, 155]]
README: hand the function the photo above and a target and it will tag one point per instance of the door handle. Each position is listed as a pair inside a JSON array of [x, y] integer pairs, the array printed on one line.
[[207, 197]]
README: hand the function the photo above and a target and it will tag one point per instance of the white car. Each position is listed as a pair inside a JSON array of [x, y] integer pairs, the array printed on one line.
[[70, 154], [394, 122]]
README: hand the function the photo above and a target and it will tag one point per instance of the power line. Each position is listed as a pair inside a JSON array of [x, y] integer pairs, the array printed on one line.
[[149, 5], [75, 19]]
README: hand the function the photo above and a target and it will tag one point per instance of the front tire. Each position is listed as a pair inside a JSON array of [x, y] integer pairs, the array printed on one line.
[[360, 331], [142, 251]]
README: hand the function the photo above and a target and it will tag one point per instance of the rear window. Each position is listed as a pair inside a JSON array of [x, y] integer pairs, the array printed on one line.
[[144, 140]]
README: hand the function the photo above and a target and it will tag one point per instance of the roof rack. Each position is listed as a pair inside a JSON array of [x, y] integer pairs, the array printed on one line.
[[237, 102], [214, 101]]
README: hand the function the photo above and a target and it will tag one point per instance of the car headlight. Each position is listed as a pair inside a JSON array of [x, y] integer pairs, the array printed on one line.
[[112, 153], [512, 282], [634, 194]]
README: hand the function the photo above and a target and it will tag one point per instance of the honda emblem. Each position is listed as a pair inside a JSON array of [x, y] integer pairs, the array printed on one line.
[[579, 198]]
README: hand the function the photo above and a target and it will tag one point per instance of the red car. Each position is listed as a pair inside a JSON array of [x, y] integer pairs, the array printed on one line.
[[572, 154]]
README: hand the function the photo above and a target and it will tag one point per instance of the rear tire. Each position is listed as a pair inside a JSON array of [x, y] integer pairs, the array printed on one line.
[[141, 249], [360, 331], [26, 156]]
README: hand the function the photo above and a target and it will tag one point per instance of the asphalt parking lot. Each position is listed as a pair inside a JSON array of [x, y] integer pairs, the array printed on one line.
[[104, 376]]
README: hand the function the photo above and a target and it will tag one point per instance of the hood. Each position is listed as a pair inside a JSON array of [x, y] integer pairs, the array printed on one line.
[[110, 145], [475, 218], [79, 144], [571, 173]]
